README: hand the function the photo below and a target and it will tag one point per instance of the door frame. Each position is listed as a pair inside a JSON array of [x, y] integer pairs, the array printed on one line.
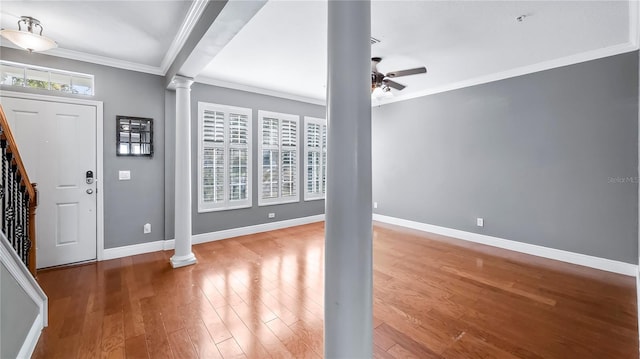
[[99, 154]]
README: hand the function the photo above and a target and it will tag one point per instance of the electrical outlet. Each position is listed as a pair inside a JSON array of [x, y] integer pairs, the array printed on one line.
[[480, 222], [147, 228], [272, 215], [375, 204]]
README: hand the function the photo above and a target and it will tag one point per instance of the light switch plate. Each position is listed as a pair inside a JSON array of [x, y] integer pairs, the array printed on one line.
[[124, 175]]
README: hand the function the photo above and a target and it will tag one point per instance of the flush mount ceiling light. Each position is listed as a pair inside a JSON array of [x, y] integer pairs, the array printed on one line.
[[26, 38]]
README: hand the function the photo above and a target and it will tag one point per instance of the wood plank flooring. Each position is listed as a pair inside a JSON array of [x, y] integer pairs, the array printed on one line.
[[260, 296]]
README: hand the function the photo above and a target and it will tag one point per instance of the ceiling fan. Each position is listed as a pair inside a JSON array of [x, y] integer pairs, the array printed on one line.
[[382, 81]]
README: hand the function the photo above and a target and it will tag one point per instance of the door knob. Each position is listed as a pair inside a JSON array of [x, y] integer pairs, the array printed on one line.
[[89, 191]]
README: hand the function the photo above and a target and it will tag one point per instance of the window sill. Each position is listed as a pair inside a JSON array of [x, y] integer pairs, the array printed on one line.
[[228, 208], [276, 202]]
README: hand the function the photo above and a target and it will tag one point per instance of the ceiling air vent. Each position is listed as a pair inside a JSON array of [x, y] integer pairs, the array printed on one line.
[[374, 40]]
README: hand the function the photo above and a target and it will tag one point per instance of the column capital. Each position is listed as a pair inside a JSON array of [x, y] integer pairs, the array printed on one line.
[[182, 82]]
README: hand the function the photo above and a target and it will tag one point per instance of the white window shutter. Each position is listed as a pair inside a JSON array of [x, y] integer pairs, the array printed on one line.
[[224, 157], [279, 147], [315, 144]]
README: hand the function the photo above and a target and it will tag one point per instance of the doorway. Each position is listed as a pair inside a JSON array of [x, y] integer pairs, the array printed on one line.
[[60, 142]]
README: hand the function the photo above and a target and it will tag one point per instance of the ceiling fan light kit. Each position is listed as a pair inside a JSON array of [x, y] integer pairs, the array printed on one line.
[[27, 38], [382, 81]]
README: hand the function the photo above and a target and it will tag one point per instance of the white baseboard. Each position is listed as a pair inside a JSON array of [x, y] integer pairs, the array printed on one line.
[[169, 244], [258, 228], [551, 253], [31, 340], [134, 249]]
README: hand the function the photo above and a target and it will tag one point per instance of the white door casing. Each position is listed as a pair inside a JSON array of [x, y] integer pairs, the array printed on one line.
[[57, 142]]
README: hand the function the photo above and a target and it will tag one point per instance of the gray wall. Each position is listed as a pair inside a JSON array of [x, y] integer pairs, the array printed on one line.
[[128, 205], [221, 220], [17, 314], [549, 158]]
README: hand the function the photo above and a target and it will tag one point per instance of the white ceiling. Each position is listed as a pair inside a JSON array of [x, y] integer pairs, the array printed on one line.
[[283, 48], [138, 32]]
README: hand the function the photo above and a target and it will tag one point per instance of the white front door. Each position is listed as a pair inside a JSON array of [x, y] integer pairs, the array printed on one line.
[[57, 143]]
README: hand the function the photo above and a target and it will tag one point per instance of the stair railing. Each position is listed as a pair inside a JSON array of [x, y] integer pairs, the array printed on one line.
[[18, 198]]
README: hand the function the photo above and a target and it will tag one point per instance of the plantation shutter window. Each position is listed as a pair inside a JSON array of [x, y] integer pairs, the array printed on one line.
[[289, 159], [279, 148], [315, 154], [270, 154], [224, 157]]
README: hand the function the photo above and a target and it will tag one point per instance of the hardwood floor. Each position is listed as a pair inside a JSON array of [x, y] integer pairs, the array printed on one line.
[[260, 296]]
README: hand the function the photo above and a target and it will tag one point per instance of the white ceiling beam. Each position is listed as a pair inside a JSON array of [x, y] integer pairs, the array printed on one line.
[[218, 25]]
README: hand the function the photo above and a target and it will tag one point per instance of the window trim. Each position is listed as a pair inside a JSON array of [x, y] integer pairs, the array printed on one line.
[[322, 122], [226, 204], [278, 200]]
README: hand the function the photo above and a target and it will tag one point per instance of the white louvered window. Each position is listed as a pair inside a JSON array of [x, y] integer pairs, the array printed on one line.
[[224, 157], [315, 154], [278, 146]]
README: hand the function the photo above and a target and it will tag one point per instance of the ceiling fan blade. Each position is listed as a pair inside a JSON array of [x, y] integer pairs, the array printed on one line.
[[418, 70], [394, 84]]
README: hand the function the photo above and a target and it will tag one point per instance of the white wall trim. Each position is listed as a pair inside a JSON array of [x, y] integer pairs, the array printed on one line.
[[132, 250], [95, 59], [520, 71], [551, 253], [31, 340], [125, 251], [236, 86], [99, 153], [169, 244], [25, 280], [106, 61], [258, 228], [193, 15]]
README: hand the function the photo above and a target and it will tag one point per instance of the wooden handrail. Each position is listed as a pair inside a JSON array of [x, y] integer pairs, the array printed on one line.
[[13, 149], [30, 188]]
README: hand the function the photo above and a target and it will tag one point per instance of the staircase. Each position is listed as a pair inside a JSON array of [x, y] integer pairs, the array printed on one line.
[[23, 303]]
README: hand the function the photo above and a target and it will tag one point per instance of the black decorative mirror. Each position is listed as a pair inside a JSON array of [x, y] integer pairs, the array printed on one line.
[[134, 136]]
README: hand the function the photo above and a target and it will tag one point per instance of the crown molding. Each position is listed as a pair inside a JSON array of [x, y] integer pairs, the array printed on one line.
[[519, 71], [193, 15], [94, 59], [103, 60], [236, 86]]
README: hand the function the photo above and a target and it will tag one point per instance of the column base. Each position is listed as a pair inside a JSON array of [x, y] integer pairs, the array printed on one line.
[[183, 261]]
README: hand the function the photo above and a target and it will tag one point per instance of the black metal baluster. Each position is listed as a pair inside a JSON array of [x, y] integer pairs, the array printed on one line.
[[9, 211], [19, 218], [27, 237], [4, 181], [12, 206], [14, 203]]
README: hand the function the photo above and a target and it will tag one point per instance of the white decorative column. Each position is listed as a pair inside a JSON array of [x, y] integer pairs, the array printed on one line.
[[348, 308], [183, 255]]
